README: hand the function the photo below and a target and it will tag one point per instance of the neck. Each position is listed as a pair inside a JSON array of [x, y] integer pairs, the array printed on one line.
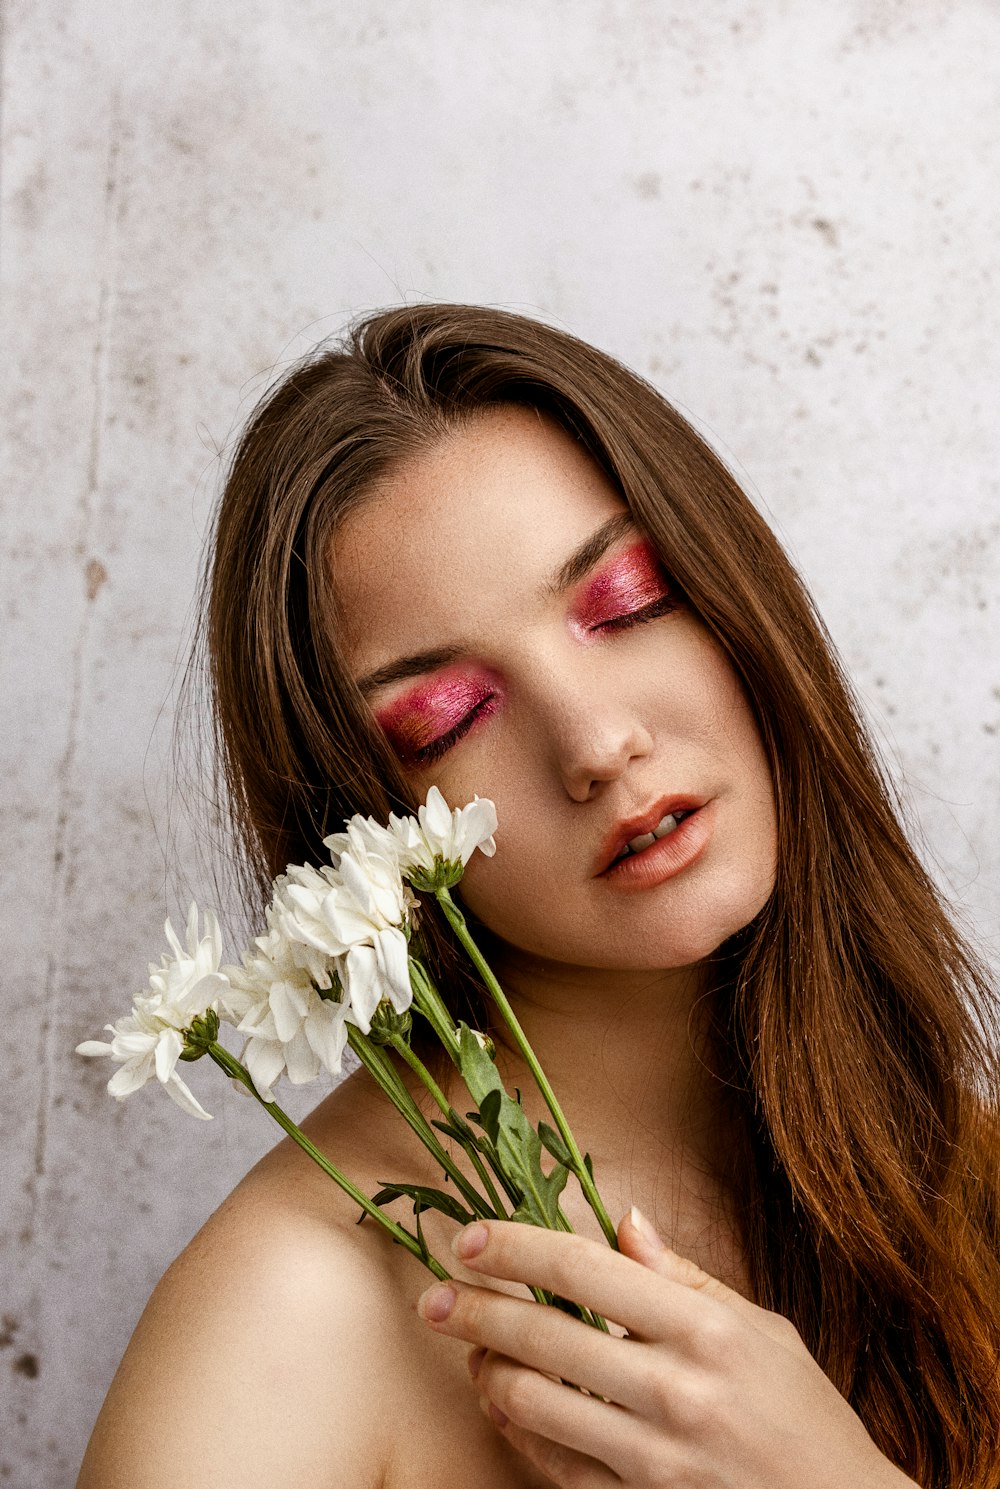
[[624, 1054]]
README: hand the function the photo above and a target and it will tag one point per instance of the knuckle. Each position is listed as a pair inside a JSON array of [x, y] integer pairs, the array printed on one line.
[[697, 1407], [470, 1311], [517, 1393], [688, 1400], [560, 1464], [719, 1334]]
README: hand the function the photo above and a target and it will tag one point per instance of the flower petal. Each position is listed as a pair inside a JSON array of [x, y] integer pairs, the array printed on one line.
[[93, 1047], [130, 1077], [179, 1092], [287, 1011], [265, 1060], [301, 1060], [435, 817], [393, 961], [361, 985], [326, 1031], [168, 1049]]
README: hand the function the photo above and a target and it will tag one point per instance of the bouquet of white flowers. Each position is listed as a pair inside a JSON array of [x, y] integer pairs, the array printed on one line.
[[336, 967]]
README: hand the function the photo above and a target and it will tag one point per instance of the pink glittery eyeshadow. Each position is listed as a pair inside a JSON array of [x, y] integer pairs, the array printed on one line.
[[425, 712], [634, 579]]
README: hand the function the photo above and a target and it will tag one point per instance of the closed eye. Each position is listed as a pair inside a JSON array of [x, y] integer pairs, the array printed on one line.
[[663, 606], [427, 754]]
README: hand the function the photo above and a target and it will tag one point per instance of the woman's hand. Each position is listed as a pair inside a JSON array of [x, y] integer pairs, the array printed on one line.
[[707, 1390]]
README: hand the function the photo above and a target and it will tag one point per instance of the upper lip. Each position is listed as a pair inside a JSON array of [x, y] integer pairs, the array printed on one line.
[[632, 827]]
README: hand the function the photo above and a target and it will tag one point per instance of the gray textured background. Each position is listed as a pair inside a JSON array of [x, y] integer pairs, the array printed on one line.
[[786, 215]]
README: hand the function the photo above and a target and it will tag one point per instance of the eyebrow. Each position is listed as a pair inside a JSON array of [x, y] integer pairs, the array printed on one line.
[[570, 572]]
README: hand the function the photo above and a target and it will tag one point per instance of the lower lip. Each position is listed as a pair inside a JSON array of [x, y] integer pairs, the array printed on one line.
[[665, 858]]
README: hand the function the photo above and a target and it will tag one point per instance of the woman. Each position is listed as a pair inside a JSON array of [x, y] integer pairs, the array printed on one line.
[[470, 550]]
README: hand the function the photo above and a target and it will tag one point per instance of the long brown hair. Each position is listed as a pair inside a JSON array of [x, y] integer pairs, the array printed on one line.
[[855, 1033]]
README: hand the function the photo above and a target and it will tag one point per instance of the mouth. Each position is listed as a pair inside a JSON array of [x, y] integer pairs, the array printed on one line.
[[632, 838], [663, 829]]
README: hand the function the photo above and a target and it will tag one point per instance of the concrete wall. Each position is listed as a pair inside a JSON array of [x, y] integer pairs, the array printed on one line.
[[784, 214]]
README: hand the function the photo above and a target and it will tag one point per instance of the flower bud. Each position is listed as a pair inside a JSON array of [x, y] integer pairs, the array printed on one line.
[[200, 1033], [388, 1025]]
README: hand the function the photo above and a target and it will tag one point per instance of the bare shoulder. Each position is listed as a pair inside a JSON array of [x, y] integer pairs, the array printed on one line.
[[264, 1352]]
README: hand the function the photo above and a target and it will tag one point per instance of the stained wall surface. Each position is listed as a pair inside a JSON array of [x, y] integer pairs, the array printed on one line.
[[785, 215]]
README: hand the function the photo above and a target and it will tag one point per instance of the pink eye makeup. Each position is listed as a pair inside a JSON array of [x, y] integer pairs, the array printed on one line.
[[424, 723], [631, 588]]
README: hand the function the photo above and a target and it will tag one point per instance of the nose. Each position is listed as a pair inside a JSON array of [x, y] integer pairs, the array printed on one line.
[[595, 735]]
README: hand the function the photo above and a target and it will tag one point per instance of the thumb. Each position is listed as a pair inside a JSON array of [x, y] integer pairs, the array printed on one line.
[[639, 1239]]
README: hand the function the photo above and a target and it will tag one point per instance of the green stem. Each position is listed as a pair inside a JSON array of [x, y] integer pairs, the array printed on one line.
[[457, 922], [429, 1001], [388, 1079], [415, 1063], [432, 1006], [239, 1072]]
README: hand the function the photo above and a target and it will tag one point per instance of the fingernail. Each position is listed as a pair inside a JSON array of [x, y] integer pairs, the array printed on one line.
[[475, 1361], [645, 1228], [470, 1241], [436, 1303]]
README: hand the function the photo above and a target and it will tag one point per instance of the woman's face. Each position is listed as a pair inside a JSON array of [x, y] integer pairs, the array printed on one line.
[[518, 640]]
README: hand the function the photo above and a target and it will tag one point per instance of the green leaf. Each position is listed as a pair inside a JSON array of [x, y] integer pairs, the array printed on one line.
[[462, 1126], [426, 1199], [478, 1070], [588, 1165], [553, 1143], [540, 1203], [489, 1114], [518, 1146]]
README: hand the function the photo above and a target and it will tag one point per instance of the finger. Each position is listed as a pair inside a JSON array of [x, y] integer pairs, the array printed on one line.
[[545, 1339], [560, 1464], [650, 1304], [639, 1240], [564, 1426]]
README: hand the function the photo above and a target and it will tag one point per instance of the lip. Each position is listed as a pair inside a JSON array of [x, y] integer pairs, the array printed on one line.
[[667, 856], [633, 827]]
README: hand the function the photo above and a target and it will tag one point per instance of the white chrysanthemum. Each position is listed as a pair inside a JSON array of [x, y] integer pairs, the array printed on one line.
[[149, 1040], [364, 833], [353, 913], [289, 1026], [438, 843]]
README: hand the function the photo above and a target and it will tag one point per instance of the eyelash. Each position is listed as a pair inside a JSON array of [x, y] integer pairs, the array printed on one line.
[[662, 606], [428, 754]]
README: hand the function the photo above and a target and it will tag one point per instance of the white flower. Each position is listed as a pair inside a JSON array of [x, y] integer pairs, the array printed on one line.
[[149, 1040], [353, 914], [275, 1002], [435, 846]]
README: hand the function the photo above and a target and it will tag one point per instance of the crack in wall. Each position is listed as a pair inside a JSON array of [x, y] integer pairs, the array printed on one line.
[[62, 879]]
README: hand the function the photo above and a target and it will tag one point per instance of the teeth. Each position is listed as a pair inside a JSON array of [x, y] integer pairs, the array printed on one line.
[[663, 827]]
